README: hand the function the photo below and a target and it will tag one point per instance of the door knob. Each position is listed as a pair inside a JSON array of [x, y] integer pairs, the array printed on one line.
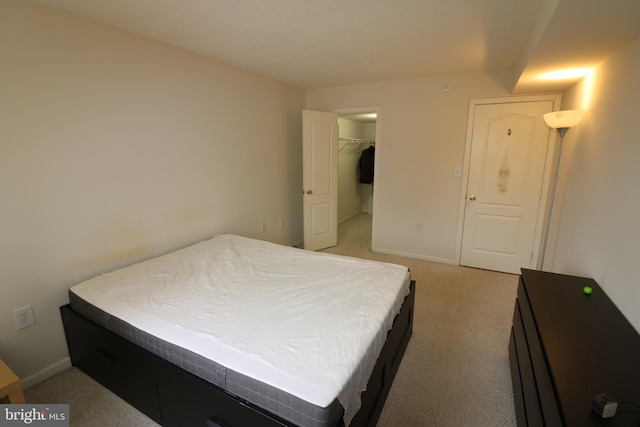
[[472, 198], [309, 192]]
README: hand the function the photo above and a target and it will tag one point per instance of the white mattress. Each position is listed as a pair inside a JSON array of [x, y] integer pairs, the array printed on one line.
[[308, 323]]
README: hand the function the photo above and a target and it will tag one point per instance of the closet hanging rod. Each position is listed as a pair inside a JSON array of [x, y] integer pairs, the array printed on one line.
[[357, 140], [354, 144]]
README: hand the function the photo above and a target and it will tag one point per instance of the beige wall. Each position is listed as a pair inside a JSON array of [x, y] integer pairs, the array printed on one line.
[[421, 131], [599, 228], [115, 148]]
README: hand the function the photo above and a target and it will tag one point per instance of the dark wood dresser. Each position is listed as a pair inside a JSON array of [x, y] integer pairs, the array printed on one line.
[[565, 348]]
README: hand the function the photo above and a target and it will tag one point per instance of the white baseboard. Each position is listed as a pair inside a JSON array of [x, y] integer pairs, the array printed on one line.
[[45, 373], [415, 256]]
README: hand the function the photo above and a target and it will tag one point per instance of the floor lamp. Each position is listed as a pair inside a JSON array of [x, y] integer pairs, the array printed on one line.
[[561, 121]]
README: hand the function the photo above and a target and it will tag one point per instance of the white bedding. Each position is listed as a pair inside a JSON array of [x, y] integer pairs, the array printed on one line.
[[309, 323]]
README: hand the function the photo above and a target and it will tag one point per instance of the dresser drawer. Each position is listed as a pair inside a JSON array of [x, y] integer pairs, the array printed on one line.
[[543, 382], [528, 393]]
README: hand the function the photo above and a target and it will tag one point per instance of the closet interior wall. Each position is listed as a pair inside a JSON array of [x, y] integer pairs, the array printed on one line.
[[353, 197]]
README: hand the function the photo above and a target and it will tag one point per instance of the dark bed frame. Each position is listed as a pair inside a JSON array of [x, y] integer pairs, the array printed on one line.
[[172, 396]]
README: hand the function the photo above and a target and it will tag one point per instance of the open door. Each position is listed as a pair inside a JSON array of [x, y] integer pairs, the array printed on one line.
[[320, 179]]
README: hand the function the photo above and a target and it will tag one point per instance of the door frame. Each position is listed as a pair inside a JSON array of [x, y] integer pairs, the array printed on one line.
[[546, 177]]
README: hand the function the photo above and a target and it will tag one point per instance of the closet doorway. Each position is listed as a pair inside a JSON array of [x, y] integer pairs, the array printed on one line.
[[356, 165]]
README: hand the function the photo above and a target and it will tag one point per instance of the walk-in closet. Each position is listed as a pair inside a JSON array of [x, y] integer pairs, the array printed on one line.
[[357, 136]]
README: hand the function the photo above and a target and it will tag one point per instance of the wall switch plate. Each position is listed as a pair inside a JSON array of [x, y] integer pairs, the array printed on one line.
[[457, 171], [24, 317]]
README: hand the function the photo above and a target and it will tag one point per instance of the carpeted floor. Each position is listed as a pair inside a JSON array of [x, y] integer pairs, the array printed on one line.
[[455, 371]]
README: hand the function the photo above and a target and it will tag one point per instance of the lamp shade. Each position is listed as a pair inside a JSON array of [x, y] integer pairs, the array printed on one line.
[[563, 119]]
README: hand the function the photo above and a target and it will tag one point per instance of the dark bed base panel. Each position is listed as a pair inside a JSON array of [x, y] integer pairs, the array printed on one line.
[[172, 396], [387, 365], [161, 390]]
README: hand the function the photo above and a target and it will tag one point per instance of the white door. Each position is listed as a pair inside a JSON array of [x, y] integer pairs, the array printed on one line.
[[320, 179], [508, 150]]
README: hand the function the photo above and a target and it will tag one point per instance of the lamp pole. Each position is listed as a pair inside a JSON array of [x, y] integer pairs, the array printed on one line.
[[561, 132], [560, 121]]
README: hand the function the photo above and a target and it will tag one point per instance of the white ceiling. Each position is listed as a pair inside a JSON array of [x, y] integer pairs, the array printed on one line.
[[323, 43]]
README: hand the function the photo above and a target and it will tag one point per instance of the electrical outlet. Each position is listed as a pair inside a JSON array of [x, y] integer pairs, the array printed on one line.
[[419, 225], [264, 227], [24, 317]]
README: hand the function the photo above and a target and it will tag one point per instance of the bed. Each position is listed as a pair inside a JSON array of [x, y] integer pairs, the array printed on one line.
[[235, 331]]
